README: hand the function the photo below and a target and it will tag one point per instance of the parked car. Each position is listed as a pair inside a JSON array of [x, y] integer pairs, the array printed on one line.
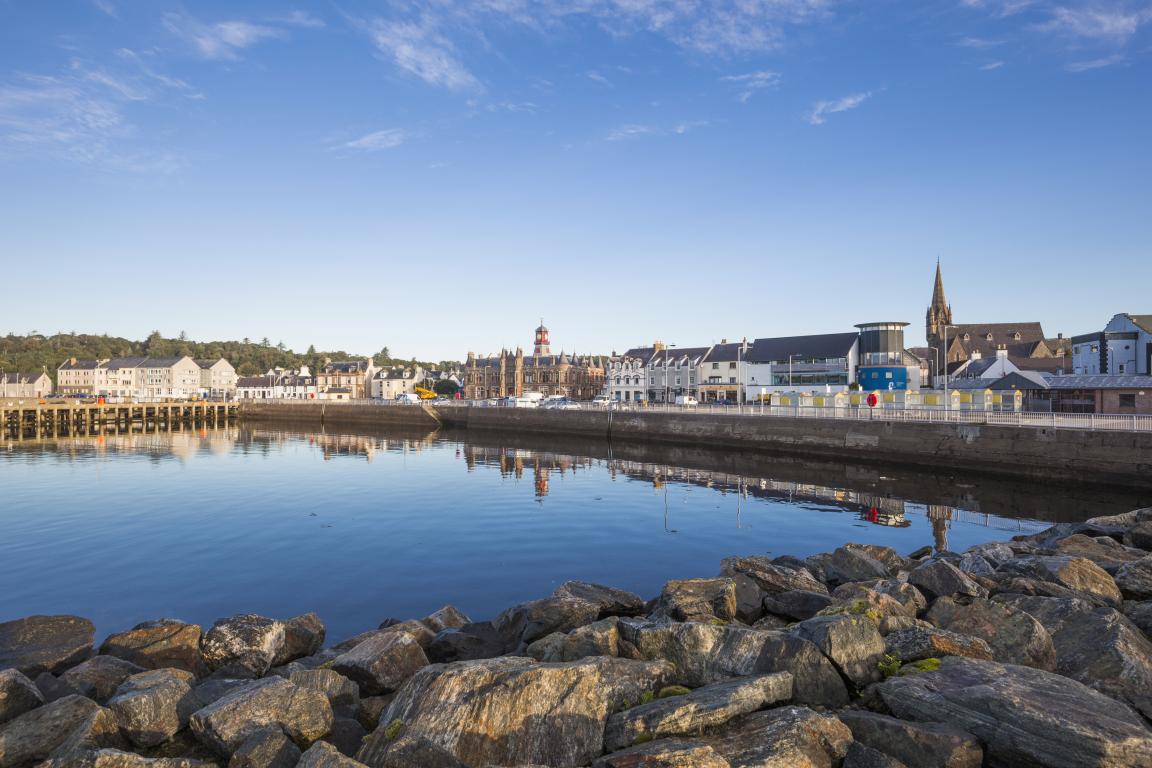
[[560, 404], [602, 401]]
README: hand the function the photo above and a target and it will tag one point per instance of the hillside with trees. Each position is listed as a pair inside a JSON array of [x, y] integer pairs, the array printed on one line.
[[34, 352]]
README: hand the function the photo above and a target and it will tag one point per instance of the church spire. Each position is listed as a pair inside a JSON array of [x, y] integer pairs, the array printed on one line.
[[938, 299], [939, 312]]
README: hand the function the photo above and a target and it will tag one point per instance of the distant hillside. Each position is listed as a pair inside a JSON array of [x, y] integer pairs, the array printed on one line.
[[34, 352]]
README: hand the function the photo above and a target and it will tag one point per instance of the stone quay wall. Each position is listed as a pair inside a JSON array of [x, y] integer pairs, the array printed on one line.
[[1067, 455]]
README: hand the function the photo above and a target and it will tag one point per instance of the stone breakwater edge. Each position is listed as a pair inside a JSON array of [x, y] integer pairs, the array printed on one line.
[[1031, 652]]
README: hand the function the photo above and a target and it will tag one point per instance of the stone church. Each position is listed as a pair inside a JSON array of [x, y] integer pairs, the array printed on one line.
[[1024, 343], [512, 374]]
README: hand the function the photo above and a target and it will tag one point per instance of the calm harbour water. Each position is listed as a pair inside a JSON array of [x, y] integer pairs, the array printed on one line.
[[203, 524]]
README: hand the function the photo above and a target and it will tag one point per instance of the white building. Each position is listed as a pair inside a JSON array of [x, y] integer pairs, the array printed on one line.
[[217, 379], [389, 383], [1123, 348], [674, 372], [79, 377], [34, 385], [722, 372], [278, 384], [626, 377], [820, 363]]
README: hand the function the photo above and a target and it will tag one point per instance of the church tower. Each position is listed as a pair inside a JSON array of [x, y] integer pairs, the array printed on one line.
[[542, 348], [939, 313]]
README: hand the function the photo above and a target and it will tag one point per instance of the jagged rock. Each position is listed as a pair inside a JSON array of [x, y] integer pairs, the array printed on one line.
[[892, 560], [1023, 716], [1135, 579], [600, 638], [303, 714], [417, 630], [53, 688], [303, 636], [796, 604], [324, 755], [612, 601], [163, 644], [917, 745], [99, 677], [975, 565], [921, 643], [1019, 585], [1095, 645], [1106, 552], [407, 752], [114, 758], [665, 753], [63, 729], [266, 748], [698, 600], [347, 735], [18, 695], [994, 553], [523, 624], [1140, 614], [531, 712], [212, 690], [448, 617], [704, 653], [371, 708], [853, 643], [244, 646], [478, 640], [749, 598], [150, 707], [773, 576], [382, 663], [691, 713], [788, 736], [343, 694], [1122, 521], [772, 623], [890, 624], [1013, 635], [848, 564], [942, 579], [1140, 535], [860, 756], [38, 644], [1076, 573], [887, 597]]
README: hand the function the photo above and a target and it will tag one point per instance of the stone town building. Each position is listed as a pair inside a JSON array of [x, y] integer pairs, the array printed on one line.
[[1025, 342], [626, 379], [512, 373], [346, 379], [675, 372], [37, 384], [139, 378], [79, 377]]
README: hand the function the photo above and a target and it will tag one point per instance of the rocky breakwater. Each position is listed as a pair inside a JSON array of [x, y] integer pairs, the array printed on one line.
[[1032, 652]]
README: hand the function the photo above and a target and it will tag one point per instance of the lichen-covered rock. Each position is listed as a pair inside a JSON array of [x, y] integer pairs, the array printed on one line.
[[63, 729], [303, 636], [697, 600], [703, 708], [1076, 573], [612, 601], [665, 753], [939, 578], [704, 653], [114, 758], [163, 644], [371, 708], [243, 646], [343, 694], [853, 643], [303, 714], [530, 712], [917, 745], [1014, 636], [18, 695], [266, 748], [324, 755], [1135, 579], [600, 638], [926, 643], [848, 564], [150, 707], [99, 677], [381, 663], [36, 644], [886, 597], [1023, 716], [447, 617], [773, 576], [796, 604], [784, 737], [521, 625]]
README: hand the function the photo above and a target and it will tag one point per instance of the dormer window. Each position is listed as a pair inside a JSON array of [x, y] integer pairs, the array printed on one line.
[[967, 337], [1016, 336], [988, 337]]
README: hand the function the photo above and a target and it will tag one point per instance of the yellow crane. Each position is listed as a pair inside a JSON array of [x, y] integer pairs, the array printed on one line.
[[425, 394]]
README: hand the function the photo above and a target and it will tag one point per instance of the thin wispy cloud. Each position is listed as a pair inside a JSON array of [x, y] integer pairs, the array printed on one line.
[[978, 42], [389, 138], [301, 19], [596, 77], [991, 66], [819, 113], [1000, 8], [222, 41], [640, 130], [750, 82], [1091, 64], [106, 7], [1096, 22], [419, 49]]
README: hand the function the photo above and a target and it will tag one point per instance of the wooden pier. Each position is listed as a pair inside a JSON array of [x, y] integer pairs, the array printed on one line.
[[31, 418]]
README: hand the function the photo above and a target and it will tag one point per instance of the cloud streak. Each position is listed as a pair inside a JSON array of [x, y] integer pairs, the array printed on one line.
[[750, 82], [389, 138], [420, 50], [222, 41], [821, 110]]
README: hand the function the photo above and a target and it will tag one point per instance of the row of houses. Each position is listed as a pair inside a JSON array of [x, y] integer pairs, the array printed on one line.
[[342, 380], [147, 378]]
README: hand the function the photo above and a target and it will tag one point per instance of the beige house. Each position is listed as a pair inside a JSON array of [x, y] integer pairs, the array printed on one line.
[[79, 377], [217, 378], [25, 384], [345, 379], [139, 378]]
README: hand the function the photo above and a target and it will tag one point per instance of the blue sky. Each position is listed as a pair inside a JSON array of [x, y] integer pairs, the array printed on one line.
[[437, 176]]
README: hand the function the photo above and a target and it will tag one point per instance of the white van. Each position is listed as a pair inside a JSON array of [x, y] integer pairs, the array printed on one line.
[[686, 400], [407, 397], [602, 401]]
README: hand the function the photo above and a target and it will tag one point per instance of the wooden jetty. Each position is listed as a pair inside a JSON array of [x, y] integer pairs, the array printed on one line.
[[34, 418]]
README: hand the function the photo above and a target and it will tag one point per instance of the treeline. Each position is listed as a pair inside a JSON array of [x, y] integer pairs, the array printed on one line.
[[34, 352]]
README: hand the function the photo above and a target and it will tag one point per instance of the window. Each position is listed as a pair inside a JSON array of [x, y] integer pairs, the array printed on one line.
[[1128, 401], [731, 365], [715, 366]]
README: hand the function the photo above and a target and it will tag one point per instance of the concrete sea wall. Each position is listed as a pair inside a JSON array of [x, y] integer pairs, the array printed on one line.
[[1068, 455]]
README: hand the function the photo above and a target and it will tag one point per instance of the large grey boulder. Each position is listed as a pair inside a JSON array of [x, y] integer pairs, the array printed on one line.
[[407, 752], [63, 729], [1140, 535], [917, 745], [528, 712], [163, 644], [1079, 574], [1140, 614], [303, 714], [784, 737], [382, 662], [772, 577], [697, 600], [1135, 579], [36, 644], [521, 625], [114, 758], [860, 756], [929, 642], [266, 748], [600, 638], [347, 735], [447, 617], [704, 653], [665, 753], [303, 636], [99, 677], [692, 713], [853, 643], [1106, 552], [1025, 717], [324, 755], [907, 596], [1014, 636], [343, 694], [53, 688], [241, 646], [612, 601], [18, 694], [848, 564], [477, 640], [797, 604], [940, 578], [150, 707]]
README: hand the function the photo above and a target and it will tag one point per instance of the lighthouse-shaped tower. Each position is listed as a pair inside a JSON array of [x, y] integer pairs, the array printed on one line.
[[542, 348]]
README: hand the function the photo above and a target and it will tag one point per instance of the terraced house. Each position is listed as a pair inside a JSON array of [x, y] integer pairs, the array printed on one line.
[[140, 378]]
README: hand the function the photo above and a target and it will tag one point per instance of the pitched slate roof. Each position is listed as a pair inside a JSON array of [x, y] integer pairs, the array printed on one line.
[[824, 346], [725, 353], [1099, 382], [86, 365], [1143, 321], [1002, 335], [20, 378], [676, 353]]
